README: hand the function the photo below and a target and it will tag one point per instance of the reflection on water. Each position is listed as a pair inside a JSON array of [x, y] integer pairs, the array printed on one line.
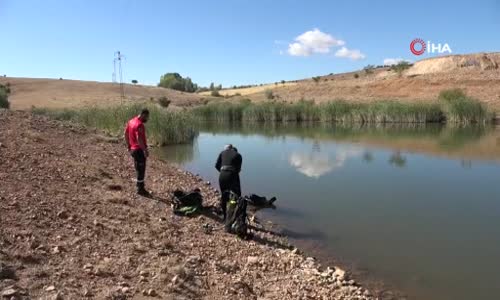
[[316, 164], [418, 205]]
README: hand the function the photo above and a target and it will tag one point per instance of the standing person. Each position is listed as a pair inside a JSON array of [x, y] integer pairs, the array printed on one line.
[[229, 165], [135, 137]]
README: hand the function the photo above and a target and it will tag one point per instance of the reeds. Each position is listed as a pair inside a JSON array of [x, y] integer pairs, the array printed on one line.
[[461, 109], [164, 127], [453, 107]]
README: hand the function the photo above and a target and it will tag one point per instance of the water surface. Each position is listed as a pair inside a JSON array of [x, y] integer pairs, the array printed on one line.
[[417, 206]]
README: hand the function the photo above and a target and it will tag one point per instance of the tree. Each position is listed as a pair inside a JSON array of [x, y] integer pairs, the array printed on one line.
[[134, 81], [369, 69], [283, 82], [212, 86], [176, 82], [400, 67]]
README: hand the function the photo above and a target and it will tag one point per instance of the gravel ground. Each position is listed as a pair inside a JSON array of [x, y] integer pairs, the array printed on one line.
[[71, 227]]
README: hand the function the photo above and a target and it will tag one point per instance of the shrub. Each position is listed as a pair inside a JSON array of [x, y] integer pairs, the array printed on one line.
[[316, 79], [164, 101], [4, 99], [283, 82], [269, 94], [134, 81], [215, 93], [356, 75]]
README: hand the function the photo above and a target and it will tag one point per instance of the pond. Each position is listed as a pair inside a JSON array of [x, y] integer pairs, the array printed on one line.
[[417, 206]]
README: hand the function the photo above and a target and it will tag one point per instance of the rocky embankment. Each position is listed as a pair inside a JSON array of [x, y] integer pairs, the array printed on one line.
[[71, 227]]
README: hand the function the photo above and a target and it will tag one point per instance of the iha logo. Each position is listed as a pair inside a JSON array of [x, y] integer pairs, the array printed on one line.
[[418, 47]]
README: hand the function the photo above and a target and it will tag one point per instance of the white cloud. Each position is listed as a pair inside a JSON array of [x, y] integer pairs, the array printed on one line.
[[316, 165], [313, 41], [393, 61], [351, 54]]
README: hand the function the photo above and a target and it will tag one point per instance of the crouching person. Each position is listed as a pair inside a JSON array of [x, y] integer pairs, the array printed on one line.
[[229, 166]]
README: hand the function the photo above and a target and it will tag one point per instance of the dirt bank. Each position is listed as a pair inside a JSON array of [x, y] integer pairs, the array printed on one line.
[[71, 227]]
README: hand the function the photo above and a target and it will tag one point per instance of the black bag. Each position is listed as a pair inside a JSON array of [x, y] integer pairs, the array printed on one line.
[[187, 203], [236, 218]]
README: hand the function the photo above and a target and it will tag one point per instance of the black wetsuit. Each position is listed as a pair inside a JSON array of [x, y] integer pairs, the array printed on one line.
[[229, 165]]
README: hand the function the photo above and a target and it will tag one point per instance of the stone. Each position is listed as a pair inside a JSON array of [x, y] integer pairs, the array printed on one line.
[[62, 214], [339, 274], [58, 296], [50, 288], [125, 289], [152, 293], [7, 272], [252, 260], [10, 292]]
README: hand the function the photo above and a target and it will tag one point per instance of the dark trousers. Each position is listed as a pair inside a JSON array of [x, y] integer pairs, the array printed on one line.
[[228, 181], [140, 166]]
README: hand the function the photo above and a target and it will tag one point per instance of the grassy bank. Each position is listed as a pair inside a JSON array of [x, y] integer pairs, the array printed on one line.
[[164, 127], [453, 106]]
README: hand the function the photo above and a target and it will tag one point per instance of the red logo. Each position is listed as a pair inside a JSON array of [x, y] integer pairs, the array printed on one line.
[[414, 49]]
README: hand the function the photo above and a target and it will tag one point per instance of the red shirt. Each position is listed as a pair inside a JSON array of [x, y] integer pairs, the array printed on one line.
[[135, 131]]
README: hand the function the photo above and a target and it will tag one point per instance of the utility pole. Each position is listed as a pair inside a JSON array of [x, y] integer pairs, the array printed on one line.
[[113, 77], [119, 57]]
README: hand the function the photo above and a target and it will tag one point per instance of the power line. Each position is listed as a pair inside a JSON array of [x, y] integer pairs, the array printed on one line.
[[119, 57]]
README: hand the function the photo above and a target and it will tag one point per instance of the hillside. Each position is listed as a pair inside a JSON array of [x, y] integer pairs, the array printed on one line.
[[477, 74], [53, 93]]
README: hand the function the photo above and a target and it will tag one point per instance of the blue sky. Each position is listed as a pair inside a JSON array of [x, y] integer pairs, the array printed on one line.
[[231, 42]]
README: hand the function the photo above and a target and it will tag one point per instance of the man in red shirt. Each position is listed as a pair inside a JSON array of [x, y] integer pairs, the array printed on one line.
[[135, 137]]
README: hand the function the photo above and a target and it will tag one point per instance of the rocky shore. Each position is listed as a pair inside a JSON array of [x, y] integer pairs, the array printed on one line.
[[72, 227]]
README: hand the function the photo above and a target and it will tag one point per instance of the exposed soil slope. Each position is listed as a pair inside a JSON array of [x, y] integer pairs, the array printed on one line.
[[477, 74]]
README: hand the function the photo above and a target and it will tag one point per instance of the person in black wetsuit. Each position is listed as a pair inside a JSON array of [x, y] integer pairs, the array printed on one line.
[[229, 165]]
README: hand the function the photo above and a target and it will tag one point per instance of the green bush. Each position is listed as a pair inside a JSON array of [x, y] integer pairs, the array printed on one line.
[[164, 101], [4, 99], [316, 79]]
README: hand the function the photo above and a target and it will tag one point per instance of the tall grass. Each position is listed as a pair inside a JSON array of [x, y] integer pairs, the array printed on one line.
[[336, 111], [453, 107], [164, 127], [461, 109]]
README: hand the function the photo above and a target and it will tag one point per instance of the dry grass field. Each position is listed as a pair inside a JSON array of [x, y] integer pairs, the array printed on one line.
[[53, 93]]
